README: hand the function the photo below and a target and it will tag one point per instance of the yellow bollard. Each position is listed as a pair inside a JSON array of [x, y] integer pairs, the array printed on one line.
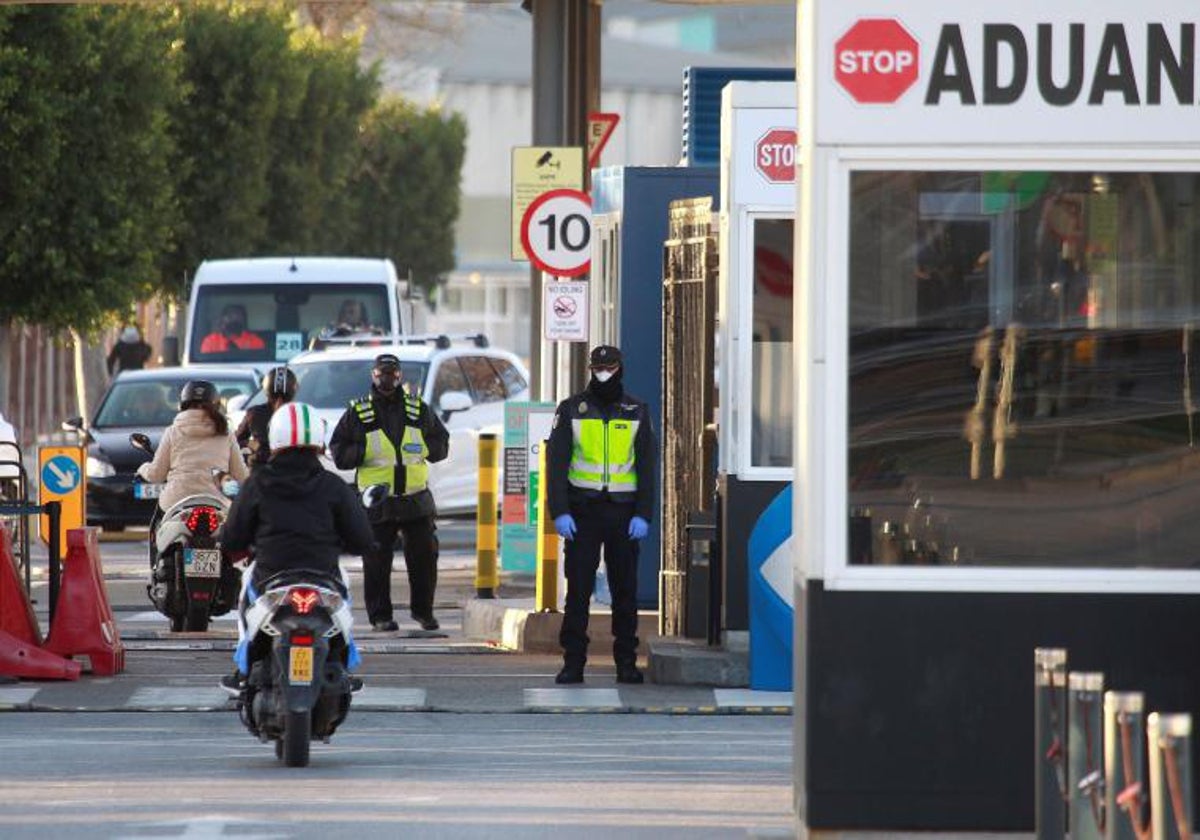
[[487, 574], [546, 593]]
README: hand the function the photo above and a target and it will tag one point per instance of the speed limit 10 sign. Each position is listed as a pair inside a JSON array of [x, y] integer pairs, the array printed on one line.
[[556, 232]]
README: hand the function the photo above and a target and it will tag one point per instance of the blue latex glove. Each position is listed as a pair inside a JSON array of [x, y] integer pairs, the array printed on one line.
[[638, 528], [565, 525]]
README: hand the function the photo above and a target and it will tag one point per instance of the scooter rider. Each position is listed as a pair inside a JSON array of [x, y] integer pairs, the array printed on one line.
[[280, 386], [197, 442], [295, 513]]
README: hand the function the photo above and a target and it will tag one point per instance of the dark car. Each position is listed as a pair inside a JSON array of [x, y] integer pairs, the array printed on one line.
[[138, 401]]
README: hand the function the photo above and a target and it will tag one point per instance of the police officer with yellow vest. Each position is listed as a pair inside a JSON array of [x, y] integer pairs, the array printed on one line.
[[390, 437], [602, 472]]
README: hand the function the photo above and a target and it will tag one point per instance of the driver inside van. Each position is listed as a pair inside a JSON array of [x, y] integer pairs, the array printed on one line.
[[351, 318], [231, 333]]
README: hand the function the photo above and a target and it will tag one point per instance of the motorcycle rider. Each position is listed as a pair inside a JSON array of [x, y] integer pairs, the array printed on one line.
[[252, 433], [197, 442], [296, 515]]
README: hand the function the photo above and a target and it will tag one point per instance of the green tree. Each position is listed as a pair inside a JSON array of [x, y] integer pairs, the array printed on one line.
[[316, 148], [241, 83], [87, 194], [408, 188]]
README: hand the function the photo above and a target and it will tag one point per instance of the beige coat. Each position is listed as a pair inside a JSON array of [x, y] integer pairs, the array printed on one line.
[[189, 450]]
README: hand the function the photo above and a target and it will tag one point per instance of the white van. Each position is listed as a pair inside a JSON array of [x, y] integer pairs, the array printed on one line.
[[256, 312]]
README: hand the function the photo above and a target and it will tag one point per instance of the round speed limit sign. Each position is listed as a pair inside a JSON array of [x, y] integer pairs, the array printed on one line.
[[557, 232]]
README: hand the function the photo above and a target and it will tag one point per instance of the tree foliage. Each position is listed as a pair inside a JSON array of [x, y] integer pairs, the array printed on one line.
[[87, 201], [137, 141], [408, 188]]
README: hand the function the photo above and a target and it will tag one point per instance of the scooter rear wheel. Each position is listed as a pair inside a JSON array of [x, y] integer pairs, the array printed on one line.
[[296, 734]]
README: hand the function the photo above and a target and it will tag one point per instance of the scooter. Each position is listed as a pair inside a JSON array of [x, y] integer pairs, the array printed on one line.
[[297, 651], [191, 579]]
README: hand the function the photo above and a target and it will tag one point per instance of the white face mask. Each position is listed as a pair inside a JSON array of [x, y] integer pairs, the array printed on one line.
[[603, 375]]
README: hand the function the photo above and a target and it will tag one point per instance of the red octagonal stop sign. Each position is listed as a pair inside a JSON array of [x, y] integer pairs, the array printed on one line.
[[775, 155], [876, 61]]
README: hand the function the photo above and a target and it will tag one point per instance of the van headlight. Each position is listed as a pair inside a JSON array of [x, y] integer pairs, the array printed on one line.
[[99, 468]]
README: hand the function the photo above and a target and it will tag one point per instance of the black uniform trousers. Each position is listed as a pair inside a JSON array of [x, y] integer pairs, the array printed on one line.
[[420, 558], [601, 523]]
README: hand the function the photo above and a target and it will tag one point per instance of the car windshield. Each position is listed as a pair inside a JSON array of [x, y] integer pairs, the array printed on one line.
[[333, 384], [155, 402], [271, 323]]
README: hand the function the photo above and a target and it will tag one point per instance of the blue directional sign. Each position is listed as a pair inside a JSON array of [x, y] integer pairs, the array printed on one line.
[[60, 474]]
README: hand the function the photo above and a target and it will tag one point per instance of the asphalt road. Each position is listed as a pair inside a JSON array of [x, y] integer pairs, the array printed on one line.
[[415, 775]]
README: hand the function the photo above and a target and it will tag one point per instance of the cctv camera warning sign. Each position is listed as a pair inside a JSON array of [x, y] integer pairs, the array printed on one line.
[[537, 170]]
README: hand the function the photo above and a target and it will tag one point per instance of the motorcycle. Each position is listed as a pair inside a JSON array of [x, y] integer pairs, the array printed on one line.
[[191, 579], [297, 651]]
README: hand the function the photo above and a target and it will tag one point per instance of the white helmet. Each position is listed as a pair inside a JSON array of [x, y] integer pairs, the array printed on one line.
[[296, 424]]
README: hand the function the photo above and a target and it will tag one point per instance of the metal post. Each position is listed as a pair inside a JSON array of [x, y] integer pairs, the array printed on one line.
[[487, 575], [566, 86], [1169, 739], [1124, 790], [54, 514], [546, 589], [1085, 779], [1049, 741]]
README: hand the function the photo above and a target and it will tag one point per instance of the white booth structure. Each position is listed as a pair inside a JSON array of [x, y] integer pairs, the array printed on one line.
[[995, 437], [755, 379]]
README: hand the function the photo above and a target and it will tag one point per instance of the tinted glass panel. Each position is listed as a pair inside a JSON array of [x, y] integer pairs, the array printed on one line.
[[1021, 372], [772, 383]]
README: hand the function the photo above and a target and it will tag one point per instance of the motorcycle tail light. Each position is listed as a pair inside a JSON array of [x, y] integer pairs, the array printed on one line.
[[302, 640], [203, 520], [303, 600]]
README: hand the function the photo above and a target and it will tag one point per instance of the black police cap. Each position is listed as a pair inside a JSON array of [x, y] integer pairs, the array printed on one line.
[[387, 360], [605, 355]]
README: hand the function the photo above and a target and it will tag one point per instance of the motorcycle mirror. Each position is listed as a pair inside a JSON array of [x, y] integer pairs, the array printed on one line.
[[374, 495], [140, 441]]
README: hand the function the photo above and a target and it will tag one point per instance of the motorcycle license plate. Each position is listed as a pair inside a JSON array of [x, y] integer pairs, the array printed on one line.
[[202, 562], [300, 665], [147, 491]]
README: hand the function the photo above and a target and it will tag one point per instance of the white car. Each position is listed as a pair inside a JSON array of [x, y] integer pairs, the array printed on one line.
[[461, 378]]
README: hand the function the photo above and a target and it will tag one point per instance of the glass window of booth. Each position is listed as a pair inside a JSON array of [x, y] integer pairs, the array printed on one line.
[[772, 383], [1021, 380]]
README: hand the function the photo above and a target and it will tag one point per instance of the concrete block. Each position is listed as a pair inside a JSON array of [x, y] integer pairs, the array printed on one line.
[[513, 624], [684, 662]]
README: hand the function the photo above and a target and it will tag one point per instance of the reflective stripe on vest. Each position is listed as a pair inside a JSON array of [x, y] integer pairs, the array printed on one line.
[[379, 462], [602, 457]]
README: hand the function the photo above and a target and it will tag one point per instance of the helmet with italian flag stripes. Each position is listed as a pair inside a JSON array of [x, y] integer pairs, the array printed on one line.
[[296, 424]]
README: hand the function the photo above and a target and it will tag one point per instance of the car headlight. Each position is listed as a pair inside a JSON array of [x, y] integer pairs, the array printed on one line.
[[99, 468]]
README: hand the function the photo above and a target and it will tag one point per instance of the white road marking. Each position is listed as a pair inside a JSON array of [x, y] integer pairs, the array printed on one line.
[[388, 699], [190, 697], [744, 697], [590, 698], [16, 695], [153, 615]]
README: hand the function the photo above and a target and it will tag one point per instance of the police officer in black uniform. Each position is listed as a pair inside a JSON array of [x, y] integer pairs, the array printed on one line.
[[602, 472], [390, 437], [280, 386]]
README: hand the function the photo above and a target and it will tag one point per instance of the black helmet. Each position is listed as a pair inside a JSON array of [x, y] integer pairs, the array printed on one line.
[[197, 392], [280, 382]]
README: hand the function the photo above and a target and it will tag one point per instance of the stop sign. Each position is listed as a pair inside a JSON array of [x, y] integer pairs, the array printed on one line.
[[876, 60], [775, 155]]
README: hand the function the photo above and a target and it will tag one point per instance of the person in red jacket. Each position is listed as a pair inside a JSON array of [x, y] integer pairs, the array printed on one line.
[[231, 333]]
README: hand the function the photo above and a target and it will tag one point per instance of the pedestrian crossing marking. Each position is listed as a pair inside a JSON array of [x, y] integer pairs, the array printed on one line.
[[748, 699], [16, 696], [584, 698], [388, 699], [171, 697]]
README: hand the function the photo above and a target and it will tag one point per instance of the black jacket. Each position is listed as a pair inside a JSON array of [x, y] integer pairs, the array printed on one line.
[[564, 498], [297, 515], [253, 433], [128, 355], [348, 445]]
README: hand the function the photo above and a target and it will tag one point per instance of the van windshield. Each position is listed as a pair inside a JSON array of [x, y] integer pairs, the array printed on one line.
[[271, 323]]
